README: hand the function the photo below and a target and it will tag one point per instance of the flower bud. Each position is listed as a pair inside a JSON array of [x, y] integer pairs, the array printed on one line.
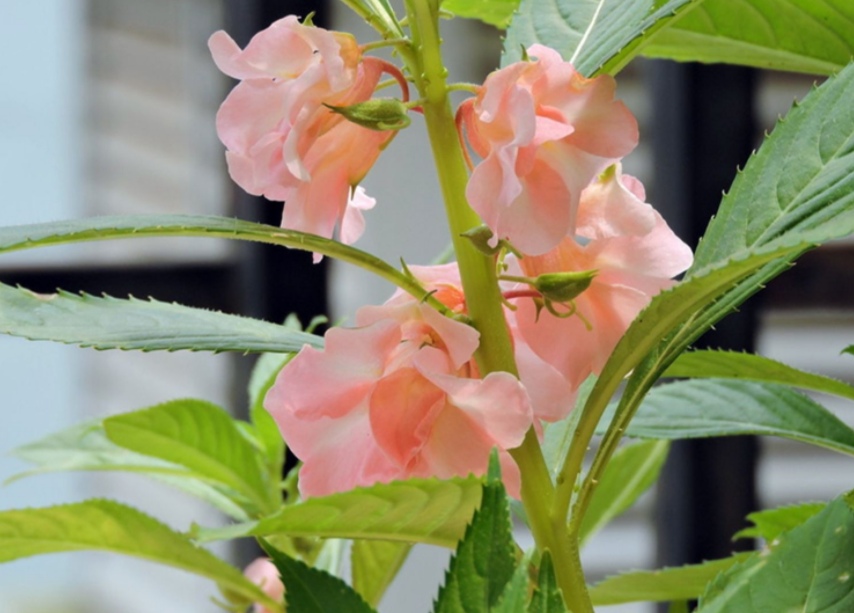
[[481, 236], [378, 114], [564, 286]]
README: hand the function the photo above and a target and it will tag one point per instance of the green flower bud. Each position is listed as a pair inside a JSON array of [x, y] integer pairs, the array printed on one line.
[[480, 237], [564, 286], [378, 114]]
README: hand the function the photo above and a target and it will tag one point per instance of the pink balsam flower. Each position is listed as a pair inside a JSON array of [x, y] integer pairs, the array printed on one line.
[[636, 255], [283, 143], [544, 132], [263, 573], [397, 397]]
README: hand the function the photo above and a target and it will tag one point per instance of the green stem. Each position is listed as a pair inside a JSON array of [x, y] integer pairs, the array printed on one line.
[[483, 295]]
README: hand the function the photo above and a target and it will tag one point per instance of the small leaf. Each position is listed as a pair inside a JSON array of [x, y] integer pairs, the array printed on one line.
[[414, 511], [375, 565], [197, 435], [557, 436], [734, 365], [809, 569], [101, 525], [484, 561], [719, 407], [145, 325], [547, 597], [262, 379], [630, 473], [85, 447], [309, 590], [679, 583], [772, 523]]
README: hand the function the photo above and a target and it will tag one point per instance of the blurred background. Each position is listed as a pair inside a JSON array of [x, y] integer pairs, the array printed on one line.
[[107, 107]]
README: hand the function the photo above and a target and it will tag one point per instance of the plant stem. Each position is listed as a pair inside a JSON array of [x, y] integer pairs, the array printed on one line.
[[483, 295]]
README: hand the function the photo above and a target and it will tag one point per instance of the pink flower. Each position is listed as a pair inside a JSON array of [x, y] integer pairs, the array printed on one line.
[[544, 132], [636, 254], [397, 397], [264, 574], [283, 143]]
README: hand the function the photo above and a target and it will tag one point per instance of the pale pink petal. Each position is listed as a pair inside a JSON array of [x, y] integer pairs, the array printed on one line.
[[250, 112], [498, 404], [338, 454], [461, 340], [552, 396], [226, 55], [333, 381], [610, 208], [263, 573], [353, 222], [404, 406]]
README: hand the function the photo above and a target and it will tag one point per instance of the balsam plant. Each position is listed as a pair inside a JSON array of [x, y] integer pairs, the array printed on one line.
[[487, 378]]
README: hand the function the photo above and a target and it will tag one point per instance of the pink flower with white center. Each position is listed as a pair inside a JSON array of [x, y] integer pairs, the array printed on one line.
[[636, 255], [263, 573], [544, 132], [397, 397], [283, 143]]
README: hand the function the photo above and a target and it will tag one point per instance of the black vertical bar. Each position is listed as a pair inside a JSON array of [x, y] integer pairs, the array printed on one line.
[[703, 129]]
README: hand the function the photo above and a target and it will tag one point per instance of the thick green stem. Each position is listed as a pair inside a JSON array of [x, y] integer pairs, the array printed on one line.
[[483, 295]]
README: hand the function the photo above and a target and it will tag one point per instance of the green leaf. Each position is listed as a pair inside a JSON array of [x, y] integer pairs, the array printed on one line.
[[17, 238], [146, 325], [747, 366], [516, 594], [719, 407], [609, 32], [557, 436], [494, 12], [772, 523], [85, 447], [809, 570], [414, 511], [375, 565], [813, 36], [485, 558], [547, 597], [102, 525], [678, 606], [630, 473], [199, 436], [679, 583], [262, 379], [309, 590]]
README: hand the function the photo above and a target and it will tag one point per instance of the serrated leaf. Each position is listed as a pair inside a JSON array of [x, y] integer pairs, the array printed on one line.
[[199, 436], [132, 324], [101, 525], [17, 238], [609, 32], [414, 511], [484, 561], [547, 597], [630, 473], [263, 377], [375, 564], [677, 583], [309, 590], [494, 12], [747, 366], [813, 36], [720, 407], [809, 569], [517, 592], [771, 523], [85, 447]]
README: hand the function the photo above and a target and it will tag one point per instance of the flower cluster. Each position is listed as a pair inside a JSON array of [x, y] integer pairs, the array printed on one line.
[[284, 141], [400, 394]]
